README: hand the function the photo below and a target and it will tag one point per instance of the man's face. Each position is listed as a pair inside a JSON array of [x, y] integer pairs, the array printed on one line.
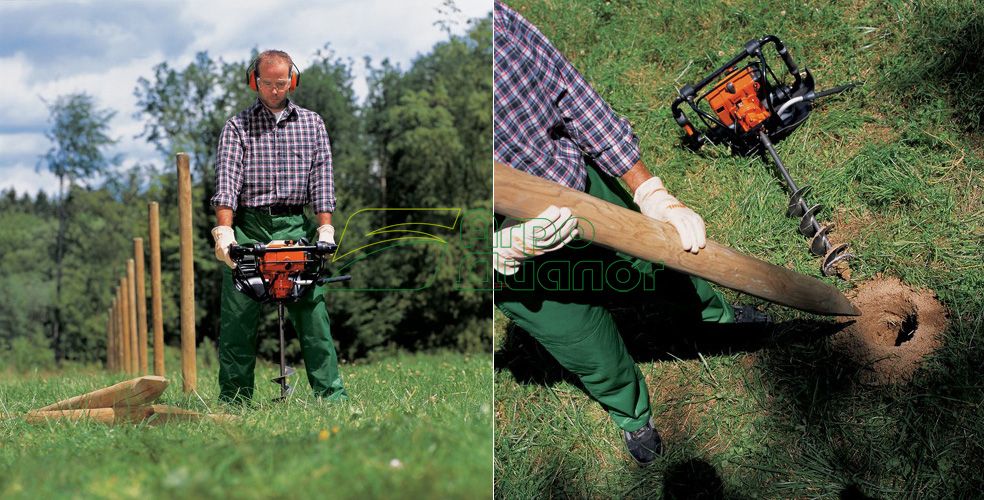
[[273, 83]]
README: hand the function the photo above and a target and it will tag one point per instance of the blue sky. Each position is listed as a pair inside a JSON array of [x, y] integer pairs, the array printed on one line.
[[50, 48]]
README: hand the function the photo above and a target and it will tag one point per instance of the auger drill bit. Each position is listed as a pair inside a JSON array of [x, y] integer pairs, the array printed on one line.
[[798, 207], [285, 371]]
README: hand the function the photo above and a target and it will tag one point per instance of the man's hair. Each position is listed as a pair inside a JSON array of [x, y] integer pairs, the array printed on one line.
[[273, 54]]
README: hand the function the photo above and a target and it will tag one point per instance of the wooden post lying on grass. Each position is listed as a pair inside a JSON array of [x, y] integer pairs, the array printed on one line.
[[131, 300], [125, 326], [154, 228], [150, 414], [141, 287], [521, 195], [126, 402], [188, 370], [134, 392]]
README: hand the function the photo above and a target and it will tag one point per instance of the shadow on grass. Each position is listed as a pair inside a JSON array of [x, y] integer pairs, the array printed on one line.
[[883, 441], [692, 478], [530, 363], [680, 474]]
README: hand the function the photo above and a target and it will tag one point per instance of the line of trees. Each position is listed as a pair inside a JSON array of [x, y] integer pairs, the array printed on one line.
[[421, 139]]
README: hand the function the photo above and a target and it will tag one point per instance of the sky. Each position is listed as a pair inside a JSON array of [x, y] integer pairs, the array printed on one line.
[[50, 48]]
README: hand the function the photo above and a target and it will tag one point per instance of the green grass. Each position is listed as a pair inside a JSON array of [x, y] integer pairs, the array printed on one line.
[[417, 426], [898, 165]]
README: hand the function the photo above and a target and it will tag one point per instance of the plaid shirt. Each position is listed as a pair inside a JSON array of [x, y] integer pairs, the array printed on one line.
[[548, 119], [261, 163]]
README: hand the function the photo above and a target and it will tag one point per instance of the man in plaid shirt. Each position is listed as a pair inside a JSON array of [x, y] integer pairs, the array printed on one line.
[[273, 159], [549, 122]]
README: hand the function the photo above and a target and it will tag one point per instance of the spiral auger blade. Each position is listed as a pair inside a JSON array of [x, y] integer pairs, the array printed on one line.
[[285, 388], [820, 245]]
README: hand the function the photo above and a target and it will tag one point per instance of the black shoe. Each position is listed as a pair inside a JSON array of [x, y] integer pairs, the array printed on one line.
[[748, 314], [644, 444]]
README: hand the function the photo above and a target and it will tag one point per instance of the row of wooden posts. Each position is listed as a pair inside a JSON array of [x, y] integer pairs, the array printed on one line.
[[126, 326]]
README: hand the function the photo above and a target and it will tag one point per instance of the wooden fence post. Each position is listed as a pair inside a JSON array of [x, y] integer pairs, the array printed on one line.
[[109, 340], [188, 369], [120, 346], [125, 323], [131, 297], [155, 287], [141, 288]]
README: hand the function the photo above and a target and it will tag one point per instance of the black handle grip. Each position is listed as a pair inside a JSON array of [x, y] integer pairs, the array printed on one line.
[[839, 88], [239, 251]]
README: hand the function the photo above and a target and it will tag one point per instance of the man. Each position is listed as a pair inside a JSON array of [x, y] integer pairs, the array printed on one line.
[[549, 122], [273, 159]]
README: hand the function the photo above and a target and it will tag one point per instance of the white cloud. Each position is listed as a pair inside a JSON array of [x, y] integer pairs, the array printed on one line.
[[23, 144], [19, 107], [24, 179]]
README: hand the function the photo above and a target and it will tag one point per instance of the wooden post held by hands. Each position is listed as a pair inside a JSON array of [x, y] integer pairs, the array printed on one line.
[[521, 195]]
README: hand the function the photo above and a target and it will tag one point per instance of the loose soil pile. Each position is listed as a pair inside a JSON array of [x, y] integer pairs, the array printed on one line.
[[898, 328]]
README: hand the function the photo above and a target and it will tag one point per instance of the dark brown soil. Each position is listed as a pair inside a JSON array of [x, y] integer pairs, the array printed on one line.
[[898, 328]]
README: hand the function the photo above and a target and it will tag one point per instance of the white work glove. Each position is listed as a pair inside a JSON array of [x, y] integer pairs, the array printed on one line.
[[549, 231], [657, 203], [326, 233], [224, 237]]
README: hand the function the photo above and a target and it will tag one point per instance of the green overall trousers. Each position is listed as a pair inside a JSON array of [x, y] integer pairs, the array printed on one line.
[[240, 315], [574, 324]]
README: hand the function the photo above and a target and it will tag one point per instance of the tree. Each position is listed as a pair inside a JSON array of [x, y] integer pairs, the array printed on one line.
[[430, 132], [79, 136]]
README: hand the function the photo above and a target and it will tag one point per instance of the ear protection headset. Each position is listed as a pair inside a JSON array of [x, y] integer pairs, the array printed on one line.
[[253, 73]]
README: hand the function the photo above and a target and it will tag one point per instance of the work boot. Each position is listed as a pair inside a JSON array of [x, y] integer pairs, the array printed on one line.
[[644, 444], [748, 314]]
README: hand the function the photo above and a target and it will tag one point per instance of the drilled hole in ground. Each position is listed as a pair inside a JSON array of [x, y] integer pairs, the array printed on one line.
[[899, 326], [909, 325]]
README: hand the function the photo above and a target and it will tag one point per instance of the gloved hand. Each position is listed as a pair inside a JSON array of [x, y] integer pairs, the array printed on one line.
[[550, 230], [657, 203], [224, 237], [326, 233]]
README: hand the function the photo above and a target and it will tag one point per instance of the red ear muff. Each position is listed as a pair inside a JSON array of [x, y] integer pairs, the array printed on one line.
[[251, 76], [295, 78]]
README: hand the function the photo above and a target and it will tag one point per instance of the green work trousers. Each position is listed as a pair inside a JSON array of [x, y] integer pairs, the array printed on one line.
[[240, 315], [572, 319]]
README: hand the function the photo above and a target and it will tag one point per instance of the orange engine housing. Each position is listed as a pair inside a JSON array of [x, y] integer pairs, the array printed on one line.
[[735, 100], [278, 267]]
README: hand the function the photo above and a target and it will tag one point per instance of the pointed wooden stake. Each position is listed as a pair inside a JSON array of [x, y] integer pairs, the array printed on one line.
[[151, 414], [134, 392]]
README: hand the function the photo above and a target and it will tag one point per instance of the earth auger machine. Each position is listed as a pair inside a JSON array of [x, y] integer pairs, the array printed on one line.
[[281, 271], [749, 108]]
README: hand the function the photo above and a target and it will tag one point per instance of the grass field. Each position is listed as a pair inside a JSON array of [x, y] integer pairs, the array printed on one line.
[[417, 426], [898, 165]]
